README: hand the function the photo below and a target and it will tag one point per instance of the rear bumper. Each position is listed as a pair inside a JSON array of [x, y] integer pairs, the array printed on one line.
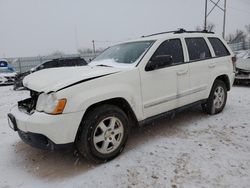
[[41, 127], [232, 78]]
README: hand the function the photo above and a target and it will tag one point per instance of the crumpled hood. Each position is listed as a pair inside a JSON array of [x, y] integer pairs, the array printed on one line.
[[54, 79]]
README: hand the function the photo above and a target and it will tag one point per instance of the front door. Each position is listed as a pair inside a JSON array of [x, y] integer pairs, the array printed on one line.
[[162, 87]]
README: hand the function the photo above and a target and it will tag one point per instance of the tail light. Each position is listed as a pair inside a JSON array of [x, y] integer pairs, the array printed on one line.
[[234, 59]]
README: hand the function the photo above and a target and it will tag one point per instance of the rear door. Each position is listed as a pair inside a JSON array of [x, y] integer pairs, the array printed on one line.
[[200, 66]]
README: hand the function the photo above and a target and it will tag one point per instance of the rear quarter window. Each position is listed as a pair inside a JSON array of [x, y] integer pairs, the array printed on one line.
[[197, 49], [219, 48]]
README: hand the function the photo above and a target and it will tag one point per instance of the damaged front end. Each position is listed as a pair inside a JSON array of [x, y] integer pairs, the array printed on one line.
[[29, 105]]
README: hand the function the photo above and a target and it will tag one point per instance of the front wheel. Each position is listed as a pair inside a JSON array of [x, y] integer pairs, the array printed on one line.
[[103, 135], [217, 98]]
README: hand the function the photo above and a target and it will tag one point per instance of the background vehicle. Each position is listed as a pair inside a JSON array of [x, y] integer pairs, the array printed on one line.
[[63, 62], [94, 107], [243, 68], [7, 73]]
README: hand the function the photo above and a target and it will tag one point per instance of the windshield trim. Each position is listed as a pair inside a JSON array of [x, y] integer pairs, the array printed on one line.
[[142, 56]]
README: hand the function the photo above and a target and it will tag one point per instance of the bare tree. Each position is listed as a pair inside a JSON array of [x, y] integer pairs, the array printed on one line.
[[248, 28], [210, 27], [88, 50], [239, 36], [85, 51], [57, 53]]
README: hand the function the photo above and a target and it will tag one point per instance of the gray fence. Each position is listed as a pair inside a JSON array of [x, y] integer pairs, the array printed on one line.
[[240, 46], [23, 64]]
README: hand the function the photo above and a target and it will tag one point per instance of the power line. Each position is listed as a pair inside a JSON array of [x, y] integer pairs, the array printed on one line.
[[216, 5]]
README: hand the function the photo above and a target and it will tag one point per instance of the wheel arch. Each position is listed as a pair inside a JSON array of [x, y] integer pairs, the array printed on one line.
[[225, 79], [120, 103]]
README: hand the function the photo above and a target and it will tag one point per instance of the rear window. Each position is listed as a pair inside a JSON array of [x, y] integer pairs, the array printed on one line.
[[219, 48], [197, 49]]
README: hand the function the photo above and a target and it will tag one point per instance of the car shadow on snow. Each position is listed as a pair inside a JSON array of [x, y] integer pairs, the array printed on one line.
[[65, 164]]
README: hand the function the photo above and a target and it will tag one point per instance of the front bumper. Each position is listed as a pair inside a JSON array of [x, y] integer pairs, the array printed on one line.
[[48, 130]]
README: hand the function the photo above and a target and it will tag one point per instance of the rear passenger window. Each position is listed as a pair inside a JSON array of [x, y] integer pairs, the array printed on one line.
[[197, 49], [172, 47], [219, 48]]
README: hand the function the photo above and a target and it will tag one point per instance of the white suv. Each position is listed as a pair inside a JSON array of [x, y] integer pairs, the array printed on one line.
[[93, 107]]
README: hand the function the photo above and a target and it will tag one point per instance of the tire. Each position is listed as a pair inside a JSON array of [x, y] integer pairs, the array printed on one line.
[[217, 98], [103, 134]]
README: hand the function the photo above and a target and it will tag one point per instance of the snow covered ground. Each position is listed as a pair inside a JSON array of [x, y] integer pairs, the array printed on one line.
[[190, 150]]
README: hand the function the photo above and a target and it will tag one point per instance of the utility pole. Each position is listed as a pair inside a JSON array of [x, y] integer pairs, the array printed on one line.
[[224, 19], [216, 5], [205, 22], [93, 47]]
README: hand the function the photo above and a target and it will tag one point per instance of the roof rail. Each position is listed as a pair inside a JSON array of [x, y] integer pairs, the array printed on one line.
[[184, 31], [179, 31]]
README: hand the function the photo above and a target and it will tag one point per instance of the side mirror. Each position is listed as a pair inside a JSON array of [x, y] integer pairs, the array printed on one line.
[[159, 62]]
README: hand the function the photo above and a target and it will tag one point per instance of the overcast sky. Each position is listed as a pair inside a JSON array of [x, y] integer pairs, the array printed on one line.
[[40, 27]]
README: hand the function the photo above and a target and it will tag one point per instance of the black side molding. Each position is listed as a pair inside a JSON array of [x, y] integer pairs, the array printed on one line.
[[170, 113]]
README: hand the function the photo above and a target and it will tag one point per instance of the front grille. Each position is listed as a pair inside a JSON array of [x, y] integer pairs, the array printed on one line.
[[29, 105]]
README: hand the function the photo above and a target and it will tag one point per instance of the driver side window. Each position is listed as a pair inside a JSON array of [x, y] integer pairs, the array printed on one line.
[[173, 48]]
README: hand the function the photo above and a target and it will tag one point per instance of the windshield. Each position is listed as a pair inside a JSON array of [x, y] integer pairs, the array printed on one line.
[[122, 54]]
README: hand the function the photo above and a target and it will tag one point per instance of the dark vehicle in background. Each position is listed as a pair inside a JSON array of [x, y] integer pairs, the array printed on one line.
[[62, 62], [243, 68]]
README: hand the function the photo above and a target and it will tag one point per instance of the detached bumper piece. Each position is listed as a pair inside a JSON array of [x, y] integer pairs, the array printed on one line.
[[42, 142]]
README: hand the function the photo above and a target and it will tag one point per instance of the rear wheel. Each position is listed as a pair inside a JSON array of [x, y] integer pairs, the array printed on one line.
[[217, 98], [104, 133]]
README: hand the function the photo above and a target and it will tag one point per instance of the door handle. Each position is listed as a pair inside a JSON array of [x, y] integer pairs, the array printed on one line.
[[212, 65], [182, 72]]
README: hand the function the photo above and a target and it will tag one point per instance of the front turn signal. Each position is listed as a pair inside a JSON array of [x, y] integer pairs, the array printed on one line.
[[60, 106]]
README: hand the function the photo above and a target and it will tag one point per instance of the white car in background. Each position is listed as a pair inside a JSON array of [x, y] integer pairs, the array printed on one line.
[[243, 67], [7, 74]]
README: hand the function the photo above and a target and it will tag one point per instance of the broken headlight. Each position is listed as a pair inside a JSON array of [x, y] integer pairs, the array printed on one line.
[[49, 103]]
